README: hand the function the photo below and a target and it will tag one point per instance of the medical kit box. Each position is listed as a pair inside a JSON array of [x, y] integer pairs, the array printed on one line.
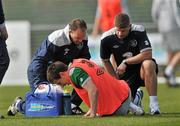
[[45, 102]]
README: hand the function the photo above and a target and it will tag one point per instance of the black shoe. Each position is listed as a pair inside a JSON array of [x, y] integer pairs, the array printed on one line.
[[1, 116], [77, 111]]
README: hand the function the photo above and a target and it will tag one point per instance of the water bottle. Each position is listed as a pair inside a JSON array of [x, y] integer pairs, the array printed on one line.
[[67, 103]]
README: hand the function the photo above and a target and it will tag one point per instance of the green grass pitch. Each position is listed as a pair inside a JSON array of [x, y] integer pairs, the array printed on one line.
[[169, 99]]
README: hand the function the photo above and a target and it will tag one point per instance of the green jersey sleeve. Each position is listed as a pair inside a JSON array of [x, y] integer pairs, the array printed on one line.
[[78, 76]]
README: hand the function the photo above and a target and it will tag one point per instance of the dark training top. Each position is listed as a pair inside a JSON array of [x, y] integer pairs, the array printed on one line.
[[57, 46], [1, 13], [135, 43]]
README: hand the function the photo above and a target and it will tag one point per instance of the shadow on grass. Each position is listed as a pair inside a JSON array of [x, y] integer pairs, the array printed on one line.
[[174, 114]]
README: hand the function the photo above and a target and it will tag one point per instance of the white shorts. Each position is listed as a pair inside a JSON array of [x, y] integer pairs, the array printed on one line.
[[171, 40], [123, 109]]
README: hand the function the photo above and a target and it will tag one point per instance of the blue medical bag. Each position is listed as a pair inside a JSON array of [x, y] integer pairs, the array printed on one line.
[[43, 104]]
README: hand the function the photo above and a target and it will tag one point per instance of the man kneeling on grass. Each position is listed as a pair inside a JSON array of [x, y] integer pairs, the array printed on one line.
[[102, 93]]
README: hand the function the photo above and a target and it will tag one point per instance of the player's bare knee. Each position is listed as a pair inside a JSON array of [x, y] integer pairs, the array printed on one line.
[[148, 66]]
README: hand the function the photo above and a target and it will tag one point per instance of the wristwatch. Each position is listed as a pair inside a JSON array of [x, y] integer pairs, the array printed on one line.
[[124, 62]]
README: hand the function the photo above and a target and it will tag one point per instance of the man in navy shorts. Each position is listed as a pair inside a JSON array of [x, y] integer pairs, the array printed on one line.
[[132, 51]]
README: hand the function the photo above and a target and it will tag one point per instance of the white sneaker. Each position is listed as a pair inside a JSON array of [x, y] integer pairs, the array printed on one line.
[[134, 109], [12, 110], [154, 110], [139, 111], [171, 80]]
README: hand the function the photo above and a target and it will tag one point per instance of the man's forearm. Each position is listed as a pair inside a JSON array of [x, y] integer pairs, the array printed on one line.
[[139, 58], [92, 90], [93, 96], [108, 66]]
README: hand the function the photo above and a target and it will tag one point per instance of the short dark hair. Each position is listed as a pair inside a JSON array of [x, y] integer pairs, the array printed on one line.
[[122, 20], [54, 69], [77, 24]]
